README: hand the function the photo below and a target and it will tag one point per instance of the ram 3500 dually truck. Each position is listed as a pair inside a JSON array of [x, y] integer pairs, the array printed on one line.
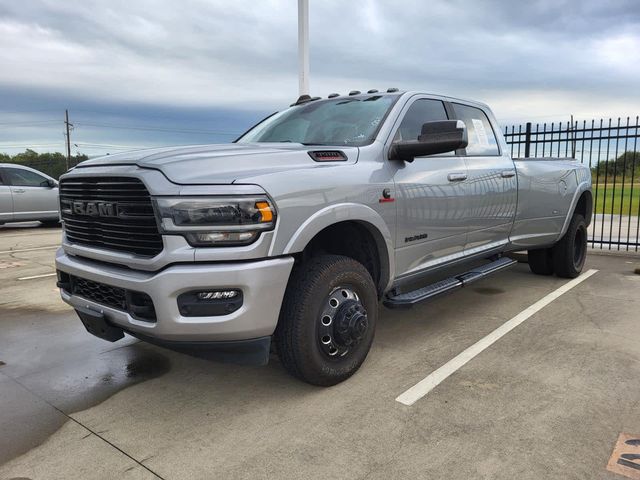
[[297, 231]]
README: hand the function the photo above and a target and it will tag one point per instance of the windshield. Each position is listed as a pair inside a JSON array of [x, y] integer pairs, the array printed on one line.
[[339, 121]]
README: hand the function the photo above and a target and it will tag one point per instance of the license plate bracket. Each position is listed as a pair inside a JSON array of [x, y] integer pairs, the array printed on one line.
[[96, 324]]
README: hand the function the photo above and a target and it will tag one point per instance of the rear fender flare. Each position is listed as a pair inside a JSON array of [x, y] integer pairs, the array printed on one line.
[[582, 187]]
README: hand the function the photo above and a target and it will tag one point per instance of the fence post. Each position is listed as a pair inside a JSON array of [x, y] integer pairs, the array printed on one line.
[[527, 140]]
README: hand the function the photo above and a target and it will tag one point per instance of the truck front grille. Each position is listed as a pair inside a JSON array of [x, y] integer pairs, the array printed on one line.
[[113, 213]]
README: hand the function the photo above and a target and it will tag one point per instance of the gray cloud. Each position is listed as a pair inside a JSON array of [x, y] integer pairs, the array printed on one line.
[[536, 59]]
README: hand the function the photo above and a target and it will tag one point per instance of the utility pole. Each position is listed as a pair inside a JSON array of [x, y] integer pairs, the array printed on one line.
[[67, 124], [303, 47], [573, 139]]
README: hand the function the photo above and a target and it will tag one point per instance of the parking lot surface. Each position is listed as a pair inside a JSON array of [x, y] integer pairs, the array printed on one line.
[[547, 400]]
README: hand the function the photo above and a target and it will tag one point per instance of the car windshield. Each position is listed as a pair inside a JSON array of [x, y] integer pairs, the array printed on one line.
[[350, 120]]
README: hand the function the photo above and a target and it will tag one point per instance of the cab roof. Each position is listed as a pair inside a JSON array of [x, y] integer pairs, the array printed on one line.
[[303, 99]]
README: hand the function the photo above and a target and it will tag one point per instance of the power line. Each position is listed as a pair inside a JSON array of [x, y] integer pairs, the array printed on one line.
[[16, 112], [157, 129], [30, 145], [100, 145], [29, 123], [116, 116]]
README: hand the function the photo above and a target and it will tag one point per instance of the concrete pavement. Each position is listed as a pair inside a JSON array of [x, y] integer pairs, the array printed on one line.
[[548, 400]]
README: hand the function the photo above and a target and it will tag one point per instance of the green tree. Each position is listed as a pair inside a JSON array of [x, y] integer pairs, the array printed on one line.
[[627, 165], [53, 164]]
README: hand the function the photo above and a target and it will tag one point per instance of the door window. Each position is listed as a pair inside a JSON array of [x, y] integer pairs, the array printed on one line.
[[482, 140], [24, 178], [421, 111]]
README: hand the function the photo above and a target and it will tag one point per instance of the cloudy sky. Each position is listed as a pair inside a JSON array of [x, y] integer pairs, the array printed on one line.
[[145, 73]]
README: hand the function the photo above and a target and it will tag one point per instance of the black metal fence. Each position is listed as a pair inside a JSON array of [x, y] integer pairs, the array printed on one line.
[[610, 148]]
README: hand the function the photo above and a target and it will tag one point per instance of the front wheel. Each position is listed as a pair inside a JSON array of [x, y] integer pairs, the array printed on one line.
[[570, 253], [328, 320]]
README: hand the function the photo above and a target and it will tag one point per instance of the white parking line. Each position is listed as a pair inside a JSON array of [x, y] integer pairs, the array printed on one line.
[[51, 247], [37, 276], [423, 387]]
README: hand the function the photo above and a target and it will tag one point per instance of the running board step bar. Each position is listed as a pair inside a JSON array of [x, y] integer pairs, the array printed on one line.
[[409, 299]]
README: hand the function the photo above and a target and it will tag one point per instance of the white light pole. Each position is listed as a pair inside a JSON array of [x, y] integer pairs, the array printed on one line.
[[303, 47]]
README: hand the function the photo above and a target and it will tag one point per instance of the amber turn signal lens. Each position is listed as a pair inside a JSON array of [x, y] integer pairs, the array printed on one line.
[[266, 215]]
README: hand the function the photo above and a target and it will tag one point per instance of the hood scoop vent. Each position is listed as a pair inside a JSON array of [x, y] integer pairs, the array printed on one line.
[[328, 156]]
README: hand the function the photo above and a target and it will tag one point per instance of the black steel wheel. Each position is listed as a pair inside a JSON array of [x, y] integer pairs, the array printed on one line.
[[327, 321], [343, 322]]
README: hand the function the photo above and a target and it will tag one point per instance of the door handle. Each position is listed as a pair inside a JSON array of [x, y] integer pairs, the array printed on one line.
[[18, 190], [457, 177], [508, 173]]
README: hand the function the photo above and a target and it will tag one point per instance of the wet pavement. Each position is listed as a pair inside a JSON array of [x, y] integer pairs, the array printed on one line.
[[548, 400]]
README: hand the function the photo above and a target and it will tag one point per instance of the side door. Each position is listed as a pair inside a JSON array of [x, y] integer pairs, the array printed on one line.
[[431, 228], [6, 201], [33, 197], [492, 185]]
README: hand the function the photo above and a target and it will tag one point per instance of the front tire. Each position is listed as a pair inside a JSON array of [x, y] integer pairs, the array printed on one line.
[[570, 253], [328, 318]]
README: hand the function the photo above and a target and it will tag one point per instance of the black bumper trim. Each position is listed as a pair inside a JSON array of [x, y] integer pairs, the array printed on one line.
[[254, 351]]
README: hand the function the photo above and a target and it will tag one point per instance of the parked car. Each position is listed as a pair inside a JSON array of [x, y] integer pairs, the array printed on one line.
[[300, 228], [27, 195]]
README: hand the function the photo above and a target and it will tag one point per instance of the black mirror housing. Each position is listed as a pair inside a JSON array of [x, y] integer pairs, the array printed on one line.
[[436, 137]]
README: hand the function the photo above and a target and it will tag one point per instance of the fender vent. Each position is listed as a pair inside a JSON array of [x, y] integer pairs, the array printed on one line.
[[328, 156]]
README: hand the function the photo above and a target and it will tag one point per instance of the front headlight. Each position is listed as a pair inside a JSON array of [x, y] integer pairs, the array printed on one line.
[[216, 221]]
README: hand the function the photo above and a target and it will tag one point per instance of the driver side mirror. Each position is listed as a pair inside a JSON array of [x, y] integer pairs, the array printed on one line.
[[437, 137], [49, 183]]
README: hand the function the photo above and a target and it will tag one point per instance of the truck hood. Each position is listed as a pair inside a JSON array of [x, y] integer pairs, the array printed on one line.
[[222, 164]]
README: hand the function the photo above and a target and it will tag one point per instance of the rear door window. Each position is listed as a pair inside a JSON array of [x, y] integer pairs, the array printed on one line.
[[482, 140]]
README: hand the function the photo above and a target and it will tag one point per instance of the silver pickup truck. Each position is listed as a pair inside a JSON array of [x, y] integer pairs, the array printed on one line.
[[301, 227]]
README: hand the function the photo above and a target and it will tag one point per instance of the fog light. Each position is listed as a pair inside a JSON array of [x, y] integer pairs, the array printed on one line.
[[207, 303], [218, 294]]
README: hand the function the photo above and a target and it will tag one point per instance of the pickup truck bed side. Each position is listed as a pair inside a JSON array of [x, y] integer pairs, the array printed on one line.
[[548, 192]]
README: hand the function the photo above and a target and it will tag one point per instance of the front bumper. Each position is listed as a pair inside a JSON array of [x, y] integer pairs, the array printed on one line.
[[263, 284]]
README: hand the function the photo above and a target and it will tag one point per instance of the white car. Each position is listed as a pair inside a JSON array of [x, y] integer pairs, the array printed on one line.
[[27, 195]]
